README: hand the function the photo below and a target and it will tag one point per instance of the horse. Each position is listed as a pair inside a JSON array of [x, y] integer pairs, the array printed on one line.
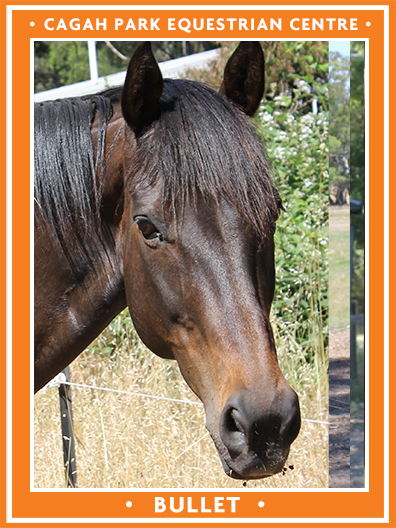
[[159, 196]]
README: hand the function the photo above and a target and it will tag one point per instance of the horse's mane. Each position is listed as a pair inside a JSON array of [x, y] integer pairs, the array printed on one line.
[[67, 184], [201, 145]]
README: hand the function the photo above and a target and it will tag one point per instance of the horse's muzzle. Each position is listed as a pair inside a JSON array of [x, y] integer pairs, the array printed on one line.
[[256, 438]]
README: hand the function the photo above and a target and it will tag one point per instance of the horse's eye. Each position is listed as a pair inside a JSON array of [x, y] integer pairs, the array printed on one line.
[[148, 229]]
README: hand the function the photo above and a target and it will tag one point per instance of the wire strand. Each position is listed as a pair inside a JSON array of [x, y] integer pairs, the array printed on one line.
[[61, 379], [142, 395]]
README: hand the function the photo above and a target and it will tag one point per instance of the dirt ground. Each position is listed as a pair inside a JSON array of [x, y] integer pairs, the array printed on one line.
[[346, 434]]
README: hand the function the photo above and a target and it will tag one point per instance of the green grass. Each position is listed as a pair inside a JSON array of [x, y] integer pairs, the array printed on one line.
[[339, 271]]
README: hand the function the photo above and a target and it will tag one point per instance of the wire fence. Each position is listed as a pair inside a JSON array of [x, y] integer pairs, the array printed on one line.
[[62, 382], [61, 379]]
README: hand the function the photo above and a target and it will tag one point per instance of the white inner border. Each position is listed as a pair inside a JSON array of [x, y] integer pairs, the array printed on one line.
[[385, 9]]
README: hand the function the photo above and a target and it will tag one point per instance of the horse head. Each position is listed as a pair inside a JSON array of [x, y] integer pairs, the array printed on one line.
[[198, 251]]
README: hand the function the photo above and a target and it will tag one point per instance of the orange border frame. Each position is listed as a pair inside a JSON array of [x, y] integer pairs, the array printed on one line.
[[327, 505]]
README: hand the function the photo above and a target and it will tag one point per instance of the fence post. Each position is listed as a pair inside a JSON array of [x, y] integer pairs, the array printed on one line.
[[93, 61], [69, 457]]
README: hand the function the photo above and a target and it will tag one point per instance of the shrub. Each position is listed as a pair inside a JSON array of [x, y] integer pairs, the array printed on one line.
[[297, 147]]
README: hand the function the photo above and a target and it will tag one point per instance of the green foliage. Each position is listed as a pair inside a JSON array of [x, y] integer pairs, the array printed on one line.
[[61, 63], [357, 125], [357, 166], [287, 64], [339, 119], [118, 334], [297, 64], [357, 120], [298, 151]]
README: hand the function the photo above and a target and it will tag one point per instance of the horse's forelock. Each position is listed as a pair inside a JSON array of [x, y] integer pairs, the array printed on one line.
[[203, 145]]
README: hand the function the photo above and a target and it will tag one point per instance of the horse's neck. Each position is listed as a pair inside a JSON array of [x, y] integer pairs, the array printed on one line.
[[70, 313]]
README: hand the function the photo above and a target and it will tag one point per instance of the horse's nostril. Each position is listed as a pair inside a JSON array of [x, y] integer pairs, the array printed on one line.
[[256, 431], [263, 429], [232, 430], [234, 424]]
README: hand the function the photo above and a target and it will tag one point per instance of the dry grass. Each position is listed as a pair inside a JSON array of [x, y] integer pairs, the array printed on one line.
[[125, 441]]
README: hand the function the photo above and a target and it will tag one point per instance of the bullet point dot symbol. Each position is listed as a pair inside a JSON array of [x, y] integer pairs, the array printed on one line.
[[261, 504], [128, 504], [368, 23], [32, 24]]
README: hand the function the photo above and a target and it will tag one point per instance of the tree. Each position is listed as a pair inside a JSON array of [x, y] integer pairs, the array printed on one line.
[[61, 63], [339, 136], [357, 120], [357, 167]]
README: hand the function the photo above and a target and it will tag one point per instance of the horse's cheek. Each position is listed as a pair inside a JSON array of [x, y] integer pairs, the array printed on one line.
[[146, 297]]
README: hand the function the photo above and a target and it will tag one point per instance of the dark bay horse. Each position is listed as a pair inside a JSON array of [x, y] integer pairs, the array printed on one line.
[[158, 197]]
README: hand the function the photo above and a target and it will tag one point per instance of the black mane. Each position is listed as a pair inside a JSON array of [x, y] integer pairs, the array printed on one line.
[[201, 145], [67, 183]]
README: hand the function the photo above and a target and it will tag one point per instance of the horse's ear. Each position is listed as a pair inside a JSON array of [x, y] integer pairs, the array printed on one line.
[[142, 89], [244, 77]]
